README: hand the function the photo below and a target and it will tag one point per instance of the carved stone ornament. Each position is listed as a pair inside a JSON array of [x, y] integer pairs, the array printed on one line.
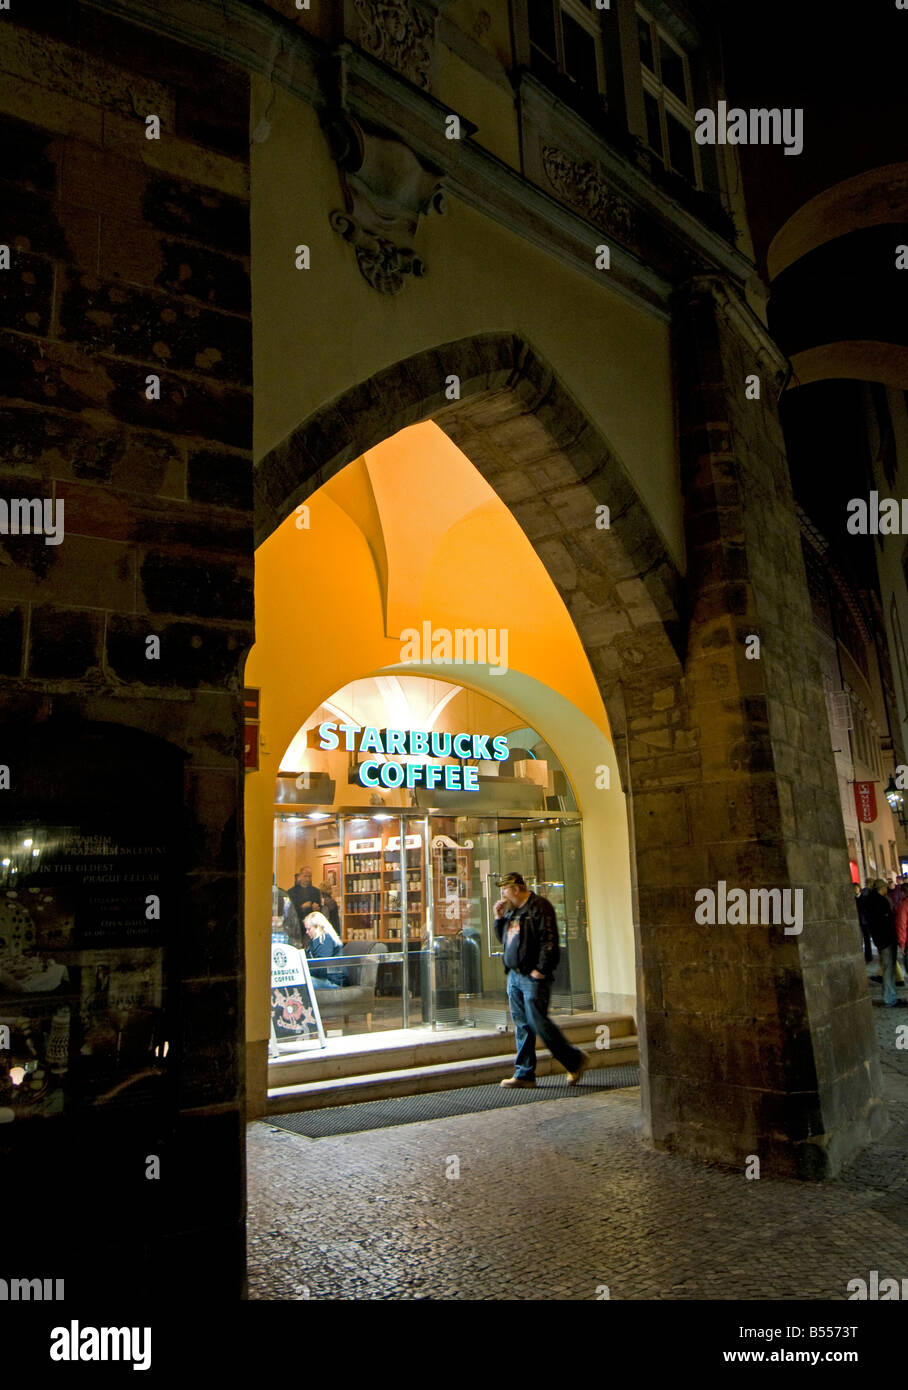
[[579, 184], [397, 33], [386, 188]]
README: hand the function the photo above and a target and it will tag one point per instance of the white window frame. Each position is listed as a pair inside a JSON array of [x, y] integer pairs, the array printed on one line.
[[588, 20], [666, 100]]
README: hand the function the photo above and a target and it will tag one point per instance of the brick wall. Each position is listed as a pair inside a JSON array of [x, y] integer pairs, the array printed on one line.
[[130, 257]]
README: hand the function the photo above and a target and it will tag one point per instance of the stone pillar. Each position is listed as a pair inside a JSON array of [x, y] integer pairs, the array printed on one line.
[[130, 259], [757, 1041]]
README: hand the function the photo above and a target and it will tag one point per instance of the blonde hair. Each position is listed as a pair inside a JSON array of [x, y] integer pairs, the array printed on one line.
[[322, 926]]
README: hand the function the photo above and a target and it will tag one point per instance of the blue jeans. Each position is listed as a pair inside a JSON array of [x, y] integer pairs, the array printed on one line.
[[528, 1000], [319, 983], [887, 961]]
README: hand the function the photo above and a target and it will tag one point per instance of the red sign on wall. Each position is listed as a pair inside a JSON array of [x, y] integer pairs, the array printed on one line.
[[251, 748], [253, 713], [865, 801]]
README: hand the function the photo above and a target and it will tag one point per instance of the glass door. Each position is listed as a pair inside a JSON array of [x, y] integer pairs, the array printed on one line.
[[405, 924], [491, 1003], [467, 987], [547, 879], [576, 931], [463, 970], [412, 896], [548, 852]]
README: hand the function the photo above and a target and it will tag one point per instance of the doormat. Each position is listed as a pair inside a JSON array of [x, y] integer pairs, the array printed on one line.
[[438, 1105]]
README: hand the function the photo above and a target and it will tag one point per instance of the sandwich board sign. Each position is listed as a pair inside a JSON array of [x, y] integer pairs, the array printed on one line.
[[295, 1017]]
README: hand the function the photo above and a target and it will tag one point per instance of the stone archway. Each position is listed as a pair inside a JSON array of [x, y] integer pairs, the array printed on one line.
[[745, 1049], [529, 439]]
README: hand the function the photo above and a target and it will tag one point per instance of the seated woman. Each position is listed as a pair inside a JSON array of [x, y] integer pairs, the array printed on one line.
[[324, 942]]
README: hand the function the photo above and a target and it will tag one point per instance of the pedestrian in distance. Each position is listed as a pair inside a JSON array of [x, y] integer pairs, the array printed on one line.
[[859, 901], [901, 928], [895, 896], [881, 924], [525, 925]]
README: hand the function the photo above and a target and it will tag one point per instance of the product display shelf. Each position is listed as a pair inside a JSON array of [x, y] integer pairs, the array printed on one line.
[[391, 932], [362, 903], [379, 912]]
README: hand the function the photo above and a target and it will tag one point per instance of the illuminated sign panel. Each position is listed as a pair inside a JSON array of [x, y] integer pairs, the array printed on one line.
[[411, 743]]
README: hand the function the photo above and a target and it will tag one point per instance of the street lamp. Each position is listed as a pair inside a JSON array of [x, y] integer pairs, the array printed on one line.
[[896, 802]]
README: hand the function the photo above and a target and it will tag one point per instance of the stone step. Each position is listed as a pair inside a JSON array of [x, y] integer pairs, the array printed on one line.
[[428, 1050], [442, 1076]]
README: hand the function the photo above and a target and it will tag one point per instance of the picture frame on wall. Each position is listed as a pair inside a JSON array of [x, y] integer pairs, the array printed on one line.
[[326, 834], [331, 875]]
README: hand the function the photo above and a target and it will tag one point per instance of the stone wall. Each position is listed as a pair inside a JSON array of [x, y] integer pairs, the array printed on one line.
[[130, 258], [757, 1041]]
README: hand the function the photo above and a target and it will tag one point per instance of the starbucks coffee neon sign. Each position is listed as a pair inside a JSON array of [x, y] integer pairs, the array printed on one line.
[[397, 744]]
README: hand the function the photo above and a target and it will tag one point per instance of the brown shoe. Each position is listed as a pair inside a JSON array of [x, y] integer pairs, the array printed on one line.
[[574, 1076], [528, 1081]]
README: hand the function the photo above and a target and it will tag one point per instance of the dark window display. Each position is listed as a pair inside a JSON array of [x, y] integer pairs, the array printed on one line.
[[81, 967], [89, 904]]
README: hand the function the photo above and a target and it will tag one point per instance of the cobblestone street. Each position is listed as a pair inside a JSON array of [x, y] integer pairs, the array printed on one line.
[[555, 1200]]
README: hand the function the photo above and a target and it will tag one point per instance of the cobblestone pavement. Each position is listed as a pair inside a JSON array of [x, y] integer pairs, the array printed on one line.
[[555, 1200]]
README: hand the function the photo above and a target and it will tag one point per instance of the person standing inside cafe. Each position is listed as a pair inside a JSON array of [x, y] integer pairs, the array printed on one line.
[[304, 895]]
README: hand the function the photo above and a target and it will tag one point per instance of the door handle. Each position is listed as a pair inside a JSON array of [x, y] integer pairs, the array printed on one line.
[[491, 938]]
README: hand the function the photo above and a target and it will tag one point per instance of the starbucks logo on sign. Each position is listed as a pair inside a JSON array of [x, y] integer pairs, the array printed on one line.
[[280, 958]]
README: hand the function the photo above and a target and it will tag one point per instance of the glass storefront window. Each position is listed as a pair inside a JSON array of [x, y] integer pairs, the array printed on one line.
[[412, 896], [407, 875]]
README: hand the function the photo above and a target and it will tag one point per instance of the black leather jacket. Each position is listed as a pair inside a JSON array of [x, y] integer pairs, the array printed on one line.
[[880, 920], [538, 943]]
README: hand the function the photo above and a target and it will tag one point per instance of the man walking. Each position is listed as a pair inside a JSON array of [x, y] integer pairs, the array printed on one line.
[[525, 925]]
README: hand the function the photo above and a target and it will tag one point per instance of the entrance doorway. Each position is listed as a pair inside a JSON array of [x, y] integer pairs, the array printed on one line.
[[424, 684], [414, 893]]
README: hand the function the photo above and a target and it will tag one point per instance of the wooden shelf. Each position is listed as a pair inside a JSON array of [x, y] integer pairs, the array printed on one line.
[[390, 873]]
